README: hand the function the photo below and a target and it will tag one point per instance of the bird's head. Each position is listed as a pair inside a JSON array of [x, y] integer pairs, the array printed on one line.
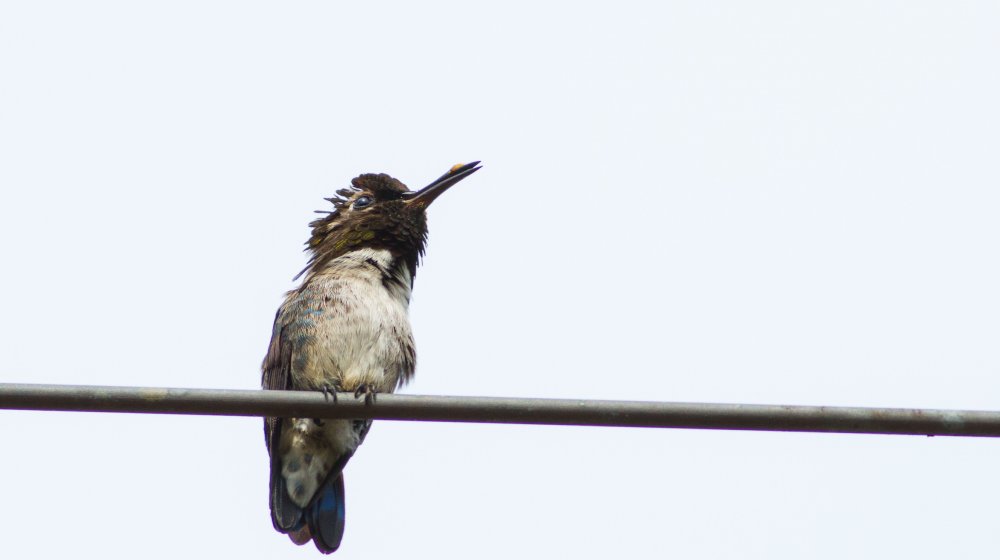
[[378, 212]]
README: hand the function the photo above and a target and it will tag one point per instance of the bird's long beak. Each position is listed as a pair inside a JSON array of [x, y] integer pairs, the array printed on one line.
[[425, 196]]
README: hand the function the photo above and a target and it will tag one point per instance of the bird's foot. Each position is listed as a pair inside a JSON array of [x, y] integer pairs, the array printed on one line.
[[329, 392], [368, 391]]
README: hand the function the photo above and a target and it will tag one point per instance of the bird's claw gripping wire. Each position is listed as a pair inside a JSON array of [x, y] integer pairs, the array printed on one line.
[[368, 391], [329, 392]]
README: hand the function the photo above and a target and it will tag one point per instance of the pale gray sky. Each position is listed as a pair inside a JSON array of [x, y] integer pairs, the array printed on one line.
[[767, 202]]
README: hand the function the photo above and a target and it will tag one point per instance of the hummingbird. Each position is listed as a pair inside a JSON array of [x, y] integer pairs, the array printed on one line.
[[346, 328]]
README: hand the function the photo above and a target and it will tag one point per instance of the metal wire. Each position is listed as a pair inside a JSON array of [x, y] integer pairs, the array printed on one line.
[[498, 410]]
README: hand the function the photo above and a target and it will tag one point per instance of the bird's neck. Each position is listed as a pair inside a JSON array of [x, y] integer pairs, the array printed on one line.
[[369, 265]]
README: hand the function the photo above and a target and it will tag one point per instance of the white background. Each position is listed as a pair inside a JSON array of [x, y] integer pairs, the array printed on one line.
[[766, 202]]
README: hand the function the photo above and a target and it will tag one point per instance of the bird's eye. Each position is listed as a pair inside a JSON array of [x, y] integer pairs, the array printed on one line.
[[362, 201]]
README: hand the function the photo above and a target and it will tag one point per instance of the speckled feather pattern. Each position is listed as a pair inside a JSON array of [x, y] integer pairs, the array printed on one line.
[[349, 324]]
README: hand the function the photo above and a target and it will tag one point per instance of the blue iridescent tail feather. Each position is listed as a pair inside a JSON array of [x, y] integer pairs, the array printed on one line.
[[326, 513], [321, 521]]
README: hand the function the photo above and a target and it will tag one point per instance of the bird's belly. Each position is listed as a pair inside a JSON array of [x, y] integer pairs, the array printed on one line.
[[363, 338]]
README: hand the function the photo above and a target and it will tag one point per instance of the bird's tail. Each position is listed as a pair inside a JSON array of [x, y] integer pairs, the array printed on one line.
[[322, 520], [324, 516]]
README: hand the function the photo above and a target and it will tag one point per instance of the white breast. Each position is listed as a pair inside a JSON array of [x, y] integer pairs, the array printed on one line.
[[362, 333]]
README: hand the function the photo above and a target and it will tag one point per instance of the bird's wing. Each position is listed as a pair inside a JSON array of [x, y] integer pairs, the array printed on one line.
[[277, 375], [277, 372]]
